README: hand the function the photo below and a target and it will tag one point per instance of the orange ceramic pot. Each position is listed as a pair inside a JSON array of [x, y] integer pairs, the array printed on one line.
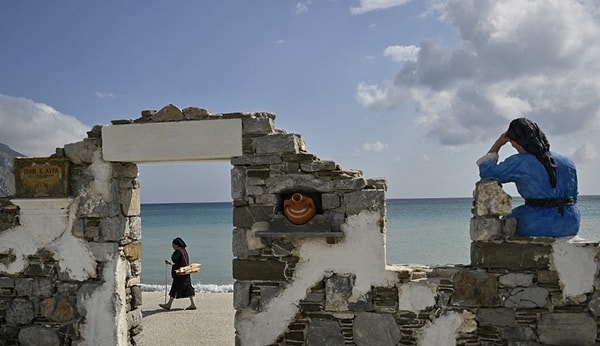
[[299, 209]]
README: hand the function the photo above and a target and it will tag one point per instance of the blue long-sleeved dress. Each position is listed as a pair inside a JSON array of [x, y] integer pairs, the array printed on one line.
[[532, 181]]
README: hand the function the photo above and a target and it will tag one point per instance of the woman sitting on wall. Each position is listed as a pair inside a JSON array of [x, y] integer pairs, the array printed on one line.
[[546, 180]]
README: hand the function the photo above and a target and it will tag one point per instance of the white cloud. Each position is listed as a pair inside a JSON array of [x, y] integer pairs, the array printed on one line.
[[104, 95], [302, 6], [533, 58], [279, 42], [373, 5], [36, 129], [402, 53], [376, 97], [585, 153], [374, 147]]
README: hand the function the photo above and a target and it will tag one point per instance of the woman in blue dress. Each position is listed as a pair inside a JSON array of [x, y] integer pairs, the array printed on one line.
[[546, 180]]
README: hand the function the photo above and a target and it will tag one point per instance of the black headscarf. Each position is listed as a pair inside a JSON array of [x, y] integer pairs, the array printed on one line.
[[179, 242], [528, 135]]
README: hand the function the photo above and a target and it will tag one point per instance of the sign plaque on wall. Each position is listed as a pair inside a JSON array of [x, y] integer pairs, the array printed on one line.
[[41, 177]]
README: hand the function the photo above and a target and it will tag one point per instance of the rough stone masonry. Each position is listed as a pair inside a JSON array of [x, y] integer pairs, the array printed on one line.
[[70, 267]]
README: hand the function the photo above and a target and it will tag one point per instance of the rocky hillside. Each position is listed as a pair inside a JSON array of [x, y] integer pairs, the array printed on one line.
[[6, 163]]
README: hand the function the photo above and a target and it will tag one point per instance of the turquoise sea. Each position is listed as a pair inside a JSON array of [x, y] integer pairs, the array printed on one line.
[[419, 231]]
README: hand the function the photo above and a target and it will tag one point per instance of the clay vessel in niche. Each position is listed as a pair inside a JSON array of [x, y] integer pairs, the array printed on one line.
[[299, 209]]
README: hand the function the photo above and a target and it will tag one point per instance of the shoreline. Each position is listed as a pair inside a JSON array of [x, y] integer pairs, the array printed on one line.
[[211, 324]]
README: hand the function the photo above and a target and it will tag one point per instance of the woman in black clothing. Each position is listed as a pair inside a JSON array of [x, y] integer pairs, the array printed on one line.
[[182, 284]]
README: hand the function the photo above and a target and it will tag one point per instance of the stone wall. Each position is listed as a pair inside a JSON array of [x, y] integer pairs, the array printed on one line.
[[327, 283], [70, 267]]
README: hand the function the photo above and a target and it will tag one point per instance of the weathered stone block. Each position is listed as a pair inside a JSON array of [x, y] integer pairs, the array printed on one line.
[[490, 200], [23, 286], [113, 229], [6, 282], [279, 143], [81, 152], [567, 329], [496, 317], [318, 166], [239, 243], [475, 288], [516, 280], [133, 251], [238, 183], [134, 228], [350, 184], [130, 202], [510, 255], [241, 295], [258, 270], [547, 277], [255, 160], [266, 294], [373, 200], [126, 170], [298, 158], [169, 112], [515, 334], [330, 201], [281, 249], [259, 173], [257, 126], [195, 113], [377, 183], [20, 311], [376, 329], [255, 190], [338, 288], [288, 182], [527, 297], [57, 309], [322, 332], [485, 228], [42, 287], [246, 217], [319, 223], [134, 318], [136, 296], [38, 335]]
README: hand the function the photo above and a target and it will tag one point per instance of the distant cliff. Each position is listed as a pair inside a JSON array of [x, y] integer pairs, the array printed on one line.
[[6, 163]]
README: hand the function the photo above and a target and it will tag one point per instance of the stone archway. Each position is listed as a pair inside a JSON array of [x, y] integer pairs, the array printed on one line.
[[70, 260]]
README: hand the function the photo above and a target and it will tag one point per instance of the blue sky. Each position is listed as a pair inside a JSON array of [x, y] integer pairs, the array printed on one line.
[[414, 91]]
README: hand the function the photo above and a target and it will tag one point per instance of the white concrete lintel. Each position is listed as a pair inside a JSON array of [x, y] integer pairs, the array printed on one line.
[[180, 141]]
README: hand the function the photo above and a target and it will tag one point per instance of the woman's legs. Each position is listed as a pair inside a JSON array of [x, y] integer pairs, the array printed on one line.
[[192, 304], [167, 306]]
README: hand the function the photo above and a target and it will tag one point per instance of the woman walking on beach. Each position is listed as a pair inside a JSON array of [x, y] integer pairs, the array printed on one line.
[[546, 180], [182, 284]]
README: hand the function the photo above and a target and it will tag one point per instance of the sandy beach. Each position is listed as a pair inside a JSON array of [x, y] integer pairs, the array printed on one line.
[[211, 324]]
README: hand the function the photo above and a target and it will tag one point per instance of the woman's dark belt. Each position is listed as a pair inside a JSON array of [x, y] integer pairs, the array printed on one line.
[[559, 203]]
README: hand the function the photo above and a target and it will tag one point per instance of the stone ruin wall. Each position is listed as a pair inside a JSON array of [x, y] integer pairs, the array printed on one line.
[[70, 267], [321, 283]]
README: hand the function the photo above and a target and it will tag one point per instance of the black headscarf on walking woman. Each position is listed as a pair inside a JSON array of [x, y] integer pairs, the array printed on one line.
[[179, 242], [528, 135]]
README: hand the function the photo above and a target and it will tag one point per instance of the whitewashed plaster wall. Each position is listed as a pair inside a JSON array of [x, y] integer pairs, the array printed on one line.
[[361, 253]]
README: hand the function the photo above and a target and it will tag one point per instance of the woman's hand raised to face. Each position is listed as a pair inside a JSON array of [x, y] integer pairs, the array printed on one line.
[[503, 139]]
